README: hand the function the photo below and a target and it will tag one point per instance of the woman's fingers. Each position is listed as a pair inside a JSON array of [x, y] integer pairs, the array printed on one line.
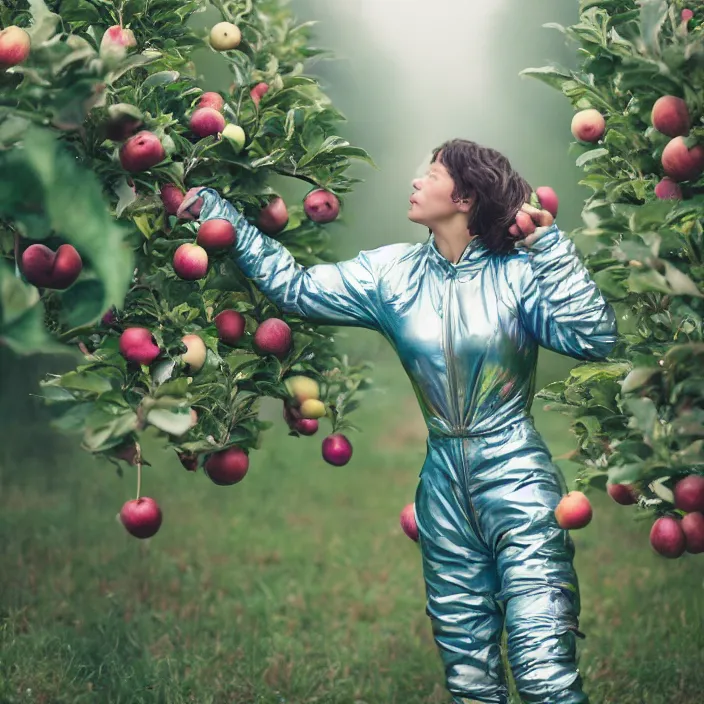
[[542, 218]]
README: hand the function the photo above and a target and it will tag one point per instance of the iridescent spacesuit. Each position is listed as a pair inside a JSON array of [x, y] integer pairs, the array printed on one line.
[[467, 335]]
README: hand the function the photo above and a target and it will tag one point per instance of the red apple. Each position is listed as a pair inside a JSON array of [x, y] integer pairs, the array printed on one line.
[[306, 426], [680, 163], [212, 100], [116, 41], [667, 537], [141, 152], [670, 116], [321, 206], [58, 270], [188, 460], [273, 336], [574, 511], [689, 493], [141, 517], [548, 199], [686, 15], [217, 233], [408, 521], [14, 46], [623, 494], [667, 189], [138, 345], [693, 528], [258, 92], [227, 467], [273, 218], [206, 122], [230, 326], [190, 262], [337, 449], [172, 197], [588, 125]]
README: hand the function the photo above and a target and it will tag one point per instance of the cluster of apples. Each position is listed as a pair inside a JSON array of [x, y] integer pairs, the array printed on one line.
[[207, 120], [672, 536], [226, 36], [669, 116], [301, 412], [190, 260], [142, 517]]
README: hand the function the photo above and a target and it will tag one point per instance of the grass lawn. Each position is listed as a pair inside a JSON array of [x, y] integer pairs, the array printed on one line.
[[295, 586]]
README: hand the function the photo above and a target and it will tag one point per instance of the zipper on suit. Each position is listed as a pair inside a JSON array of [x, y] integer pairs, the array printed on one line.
[[456, 420]]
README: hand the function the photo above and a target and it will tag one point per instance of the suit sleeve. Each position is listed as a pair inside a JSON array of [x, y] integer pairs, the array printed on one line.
[[342, 294], [559, 303]]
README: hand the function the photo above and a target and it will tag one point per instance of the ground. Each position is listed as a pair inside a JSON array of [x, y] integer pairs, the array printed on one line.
[[295, 586]]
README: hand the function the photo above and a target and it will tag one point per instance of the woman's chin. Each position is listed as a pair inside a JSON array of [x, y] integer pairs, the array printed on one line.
[[415, 216]]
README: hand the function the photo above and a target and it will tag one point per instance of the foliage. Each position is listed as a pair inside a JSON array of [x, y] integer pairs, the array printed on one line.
[[639, 418], [64, 114]]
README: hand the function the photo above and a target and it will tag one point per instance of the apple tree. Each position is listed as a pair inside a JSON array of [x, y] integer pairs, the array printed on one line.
[[638, 96], [104, 127]]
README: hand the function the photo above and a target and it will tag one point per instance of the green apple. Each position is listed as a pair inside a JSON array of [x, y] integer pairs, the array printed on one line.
[[236, 135]]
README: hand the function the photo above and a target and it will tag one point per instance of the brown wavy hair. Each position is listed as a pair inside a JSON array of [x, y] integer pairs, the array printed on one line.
[[486, 176]]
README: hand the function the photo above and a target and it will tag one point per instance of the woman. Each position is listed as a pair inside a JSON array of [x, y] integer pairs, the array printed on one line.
[[466, 312]]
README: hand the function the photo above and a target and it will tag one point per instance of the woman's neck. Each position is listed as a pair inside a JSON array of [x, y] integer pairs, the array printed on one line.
[[452, 241]]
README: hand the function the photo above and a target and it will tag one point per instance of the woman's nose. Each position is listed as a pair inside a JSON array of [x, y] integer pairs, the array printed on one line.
[[416, 183]]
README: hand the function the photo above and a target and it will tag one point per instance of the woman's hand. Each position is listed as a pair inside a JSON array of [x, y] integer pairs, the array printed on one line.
[[191, 205], [531, 224]]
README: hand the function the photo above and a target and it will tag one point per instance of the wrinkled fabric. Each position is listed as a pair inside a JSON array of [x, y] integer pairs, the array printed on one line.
[[467, 334]]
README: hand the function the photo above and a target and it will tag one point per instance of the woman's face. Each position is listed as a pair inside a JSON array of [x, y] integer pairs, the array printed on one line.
[[431, 202]]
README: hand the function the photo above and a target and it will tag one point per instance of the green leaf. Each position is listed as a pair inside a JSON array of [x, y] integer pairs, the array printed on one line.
[[43, 23], [652, 17], [84, 302], [161, 78], [586, 372], [22, 326], [644, 412], [98, 437], [680, 283], [126, 195], [174, 421], [86, 381], [625, 474], [79, 11], [591, 155], [639, 377], [551, 75], [649, 280], [337, 146]]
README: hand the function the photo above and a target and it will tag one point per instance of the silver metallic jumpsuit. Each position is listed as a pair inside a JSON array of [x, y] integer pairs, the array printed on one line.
[[467, 335]]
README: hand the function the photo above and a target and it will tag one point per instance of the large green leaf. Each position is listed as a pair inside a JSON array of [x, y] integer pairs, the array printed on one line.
[[22, 326]]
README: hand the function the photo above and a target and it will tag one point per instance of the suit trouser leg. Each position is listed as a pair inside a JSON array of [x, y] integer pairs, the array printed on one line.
[[461, 581], [517, 488]]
